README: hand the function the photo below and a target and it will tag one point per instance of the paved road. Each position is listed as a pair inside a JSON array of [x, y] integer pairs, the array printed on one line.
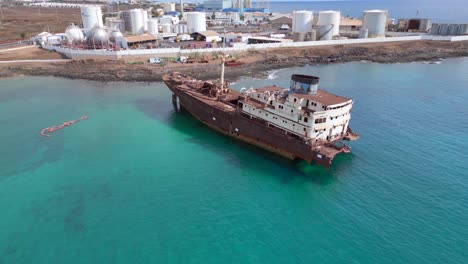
[[28, 61]]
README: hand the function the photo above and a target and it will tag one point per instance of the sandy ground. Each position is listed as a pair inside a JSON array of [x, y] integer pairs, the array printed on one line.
[[256, 63], [31, 21], [28, 53]]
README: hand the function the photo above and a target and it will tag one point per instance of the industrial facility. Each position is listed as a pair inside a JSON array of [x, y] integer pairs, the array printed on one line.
[[230, 22]]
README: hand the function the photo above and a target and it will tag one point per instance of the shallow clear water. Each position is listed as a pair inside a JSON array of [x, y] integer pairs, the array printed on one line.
[[139, 183]]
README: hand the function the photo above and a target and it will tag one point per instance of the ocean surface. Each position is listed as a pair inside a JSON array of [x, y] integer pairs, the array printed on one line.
[[454, 11], [140, 183]]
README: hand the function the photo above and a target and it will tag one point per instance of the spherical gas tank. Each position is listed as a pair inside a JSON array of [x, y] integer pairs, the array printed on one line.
[[97, 35], [74, 34], [114, 34]]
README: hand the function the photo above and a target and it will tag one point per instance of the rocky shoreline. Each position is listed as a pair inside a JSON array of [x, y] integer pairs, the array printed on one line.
[[257, 63]]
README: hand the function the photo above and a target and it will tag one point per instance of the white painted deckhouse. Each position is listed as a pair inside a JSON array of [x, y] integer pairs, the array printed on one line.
[[303, 110]]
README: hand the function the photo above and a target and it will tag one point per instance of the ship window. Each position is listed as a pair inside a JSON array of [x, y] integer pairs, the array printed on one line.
[[295, 99], [320, 120], [306, 119], [292, 111], [271, 102], [304, 129]]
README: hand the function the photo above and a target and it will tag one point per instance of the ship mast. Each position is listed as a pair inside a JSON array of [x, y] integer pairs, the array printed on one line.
[[223, 60]]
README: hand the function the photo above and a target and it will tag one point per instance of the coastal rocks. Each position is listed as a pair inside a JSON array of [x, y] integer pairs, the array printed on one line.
[[256, 63]]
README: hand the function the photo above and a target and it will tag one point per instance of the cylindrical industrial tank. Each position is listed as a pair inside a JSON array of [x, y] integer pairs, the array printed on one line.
[[182, 28], [298, 36], [325, 32], [333, 18], [91, 16], [115, 23], [125, 16], [313, 35], [136, 16], [302, 21], [364, 33], [145, 20], [425, 25], [463, 29], [153, 26], [444, 29], [97, 36], [454, 29], [435, 29], [114, 34], [166, 28], [375, 22], [196, 22], [74, 34]]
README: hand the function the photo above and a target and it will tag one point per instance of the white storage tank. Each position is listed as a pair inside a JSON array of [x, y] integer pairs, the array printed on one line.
[[125, 16], [326, 18], [444, 29], [136, 17], [145, 20], [91, 16], [166, 28], [325, 32], [115, 23], [74, 34], [454, 29], [375, 22], [463, 29], [153, 26], [196, 22], [302, 21], [435, 28]]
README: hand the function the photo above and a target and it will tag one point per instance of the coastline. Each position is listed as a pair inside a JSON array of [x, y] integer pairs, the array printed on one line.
[[256, 63]]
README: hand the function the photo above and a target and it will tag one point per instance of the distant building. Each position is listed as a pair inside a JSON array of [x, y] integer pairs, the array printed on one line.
[[349, 24], [207, 36], [216, 5], [258, 40], [126, 42], [169, 7], [277, 22]]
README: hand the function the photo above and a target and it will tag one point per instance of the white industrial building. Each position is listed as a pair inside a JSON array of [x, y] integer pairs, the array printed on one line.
[[216, 5], [169, 7]]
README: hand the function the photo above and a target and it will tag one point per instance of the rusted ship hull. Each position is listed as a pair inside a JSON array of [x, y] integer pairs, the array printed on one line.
[[251, 131]]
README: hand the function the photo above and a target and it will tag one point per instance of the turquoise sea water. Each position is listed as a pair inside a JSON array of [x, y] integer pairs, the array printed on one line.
[[140, 183]]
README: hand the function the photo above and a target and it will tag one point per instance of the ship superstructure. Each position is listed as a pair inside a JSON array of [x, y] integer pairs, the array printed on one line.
[[302, 110], [302, 122]]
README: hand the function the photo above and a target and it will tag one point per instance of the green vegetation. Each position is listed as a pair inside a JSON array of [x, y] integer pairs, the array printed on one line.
[[135, 62]]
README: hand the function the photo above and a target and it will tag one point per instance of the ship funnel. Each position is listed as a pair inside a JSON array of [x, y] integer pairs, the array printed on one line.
[[304, 84]]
